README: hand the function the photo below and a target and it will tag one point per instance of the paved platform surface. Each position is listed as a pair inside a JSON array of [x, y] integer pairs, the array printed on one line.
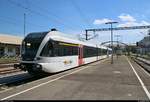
[[97, 81]]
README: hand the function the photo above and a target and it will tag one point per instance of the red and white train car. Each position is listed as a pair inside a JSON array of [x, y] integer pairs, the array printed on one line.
[[51, 52]]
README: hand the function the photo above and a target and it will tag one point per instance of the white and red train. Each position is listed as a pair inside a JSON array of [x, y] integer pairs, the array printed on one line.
[[51, 52]]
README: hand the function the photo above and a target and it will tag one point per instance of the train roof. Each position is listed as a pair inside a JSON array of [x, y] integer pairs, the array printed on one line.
[[58, 36]]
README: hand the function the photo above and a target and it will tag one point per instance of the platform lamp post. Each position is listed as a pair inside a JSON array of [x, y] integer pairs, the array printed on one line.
[[111, 28]]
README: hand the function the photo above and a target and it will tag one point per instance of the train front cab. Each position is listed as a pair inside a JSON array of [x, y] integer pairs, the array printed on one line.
[[29, 48]]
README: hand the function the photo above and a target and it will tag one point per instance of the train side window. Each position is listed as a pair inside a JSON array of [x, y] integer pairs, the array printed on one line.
[[68, 50], [56, 49], [47, 50], [91, 51], [75, 50]]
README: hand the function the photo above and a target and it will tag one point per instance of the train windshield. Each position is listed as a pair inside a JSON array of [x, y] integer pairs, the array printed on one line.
[[31, 44]]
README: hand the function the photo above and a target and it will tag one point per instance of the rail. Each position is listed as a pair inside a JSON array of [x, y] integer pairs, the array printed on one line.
[[18, 79], [144, 63], [8, 68]]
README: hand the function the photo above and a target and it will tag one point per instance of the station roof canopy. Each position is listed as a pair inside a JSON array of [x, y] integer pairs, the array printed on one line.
[[10, 39]]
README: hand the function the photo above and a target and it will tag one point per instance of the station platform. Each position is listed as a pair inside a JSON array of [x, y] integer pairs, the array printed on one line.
[[123, 80]]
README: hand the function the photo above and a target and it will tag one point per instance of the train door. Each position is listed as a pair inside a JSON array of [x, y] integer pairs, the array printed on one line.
[[80, 55]]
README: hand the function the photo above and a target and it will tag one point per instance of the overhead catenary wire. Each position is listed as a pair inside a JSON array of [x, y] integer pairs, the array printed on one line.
[[11, 23], [39, 13], [16, 22], [28, 22], [82, 15], [84, 19], [50, 13]]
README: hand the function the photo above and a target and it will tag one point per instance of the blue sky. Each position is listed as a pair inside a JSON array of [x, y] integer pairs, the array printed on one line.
[[74, 16]]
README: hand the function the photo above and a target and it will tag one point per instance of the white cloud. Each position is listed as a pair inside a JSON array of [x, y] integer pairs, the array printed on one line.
[[129, 21], [101, 21], [127, 17], [129, 24], [126, 21], [145, 23]]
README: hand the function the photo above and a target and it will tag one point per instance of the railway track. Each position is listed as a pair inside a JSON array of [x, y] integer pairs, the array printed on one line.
[[12, 77], [8, 70], [18, 79], [7, 65], [143, 64]]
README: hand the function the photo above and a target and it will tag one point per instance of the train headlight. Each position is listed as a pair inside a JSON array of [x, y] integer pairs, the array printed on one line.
[[38, 66]]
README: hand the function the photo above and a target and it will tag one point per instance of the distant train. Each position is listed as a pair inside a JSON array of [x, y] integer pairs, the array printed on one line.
[[51, 52]]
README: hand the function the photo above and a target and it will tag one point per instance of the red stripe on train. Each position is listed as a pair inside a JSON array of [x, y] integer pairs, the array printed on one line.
[[80, 53]]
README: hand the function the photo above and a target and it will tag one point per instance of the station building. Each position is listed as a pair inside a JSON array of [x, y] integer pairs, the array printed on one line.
[[10, 45], [144, 45]]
